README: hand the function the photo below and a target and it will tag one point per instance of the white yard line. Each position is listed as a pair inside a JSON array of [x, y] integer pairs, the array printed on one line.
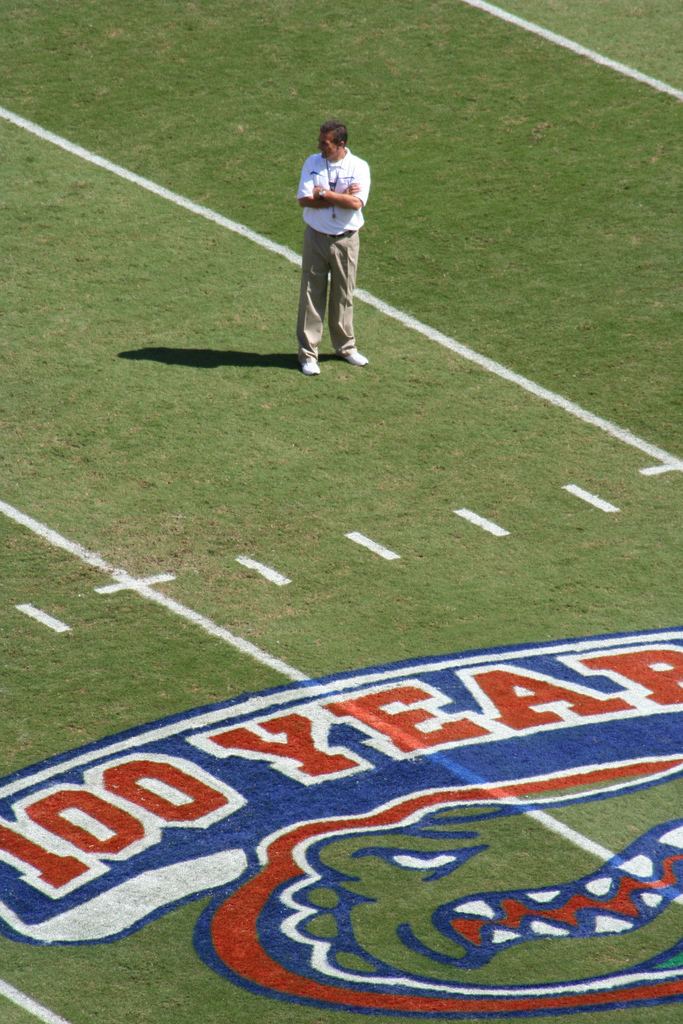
[[30, 1005], [143, 588], [669, 462], [264, 570], [485, 524], [371, 545], [490, 365], [591, 499], [47, 620], [577, 48]]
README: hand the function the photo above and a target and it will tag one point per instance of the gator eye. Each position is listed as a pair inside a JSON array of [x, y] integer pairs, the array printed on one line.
[[405, 860]]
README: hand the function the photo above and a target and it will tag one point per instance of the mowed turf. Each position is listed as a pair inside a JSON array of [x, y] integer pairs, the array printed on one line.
[[643, 36], [523, 202], [159, 418]]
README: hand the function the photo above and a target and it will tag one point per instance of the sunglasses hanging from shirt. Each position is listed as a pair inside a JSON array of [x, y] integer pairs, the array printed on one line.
[[332, 185]]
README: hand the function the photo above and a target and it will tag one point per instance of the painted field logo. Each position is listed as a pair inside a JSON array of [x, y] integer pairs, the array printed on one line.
[[492, 833]]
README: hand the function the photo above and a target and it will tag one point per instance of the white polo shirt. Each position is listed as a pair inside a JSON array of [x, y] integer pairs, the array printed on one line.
[[333, 220]]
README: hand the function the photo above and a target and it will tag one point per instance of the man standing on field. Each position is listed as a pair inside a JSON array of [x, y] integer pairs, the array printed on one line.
[[333, 190]]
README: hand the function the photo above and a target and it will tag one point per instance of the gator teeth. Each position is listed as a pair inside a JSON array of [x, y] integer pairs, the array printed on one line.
[[503, 935], [544, 897], [543, 928], [651, 899], [599, 886], [641, 866], [673, 838], [478, 907], [605, 925]]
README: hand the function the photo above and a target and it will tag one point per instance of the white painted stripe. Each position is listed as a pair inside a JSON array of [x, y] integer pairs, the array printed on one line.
[[118, 909], [577, 48], [245, 646], [603, 853], [113, 588], [657, 470], [571, 835], [619, 433], [371, 545], [30, 1005], [96, 561], [490, 365], [260, 705], [149, 186], [47, 620], [264, 570], [55, 539], [592, 499], [485, 524]]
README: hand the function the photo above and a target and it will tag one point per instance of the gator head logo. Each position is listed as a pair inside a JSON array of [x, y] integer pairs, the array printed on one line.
[[408, 899], [439, 905], [490, 833]]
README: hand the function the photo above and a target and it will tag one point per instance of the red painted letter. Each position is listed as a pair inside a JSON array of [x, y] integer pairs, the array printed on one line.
[[297, 744], [519, 699], [51, 814], [659, 670], [53, 869], [401, 726], [189, 800]]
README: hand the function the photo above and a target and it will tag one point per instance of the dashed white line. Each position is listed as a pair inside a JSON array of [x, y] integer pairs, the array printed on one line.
[[96, 560], [480, 521], [371, 545], [264, 570], [591, 499], [657, 470], [144, 588], [40, 616], [412, 323], [577, 48]]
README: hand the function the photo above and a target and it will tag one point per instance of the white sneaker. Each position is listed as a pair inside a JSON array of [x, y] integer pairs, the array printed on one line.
[[355, 358], [310, 367]]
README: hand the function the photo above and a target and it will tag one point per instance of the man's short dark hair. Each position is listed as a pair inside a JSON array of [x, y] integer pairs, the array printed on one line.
[[339, 129]]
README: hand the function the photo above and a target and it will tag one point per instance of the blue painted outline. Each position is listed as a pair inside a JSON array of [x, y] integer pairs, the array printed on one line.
[[204, 948], [100, 751]]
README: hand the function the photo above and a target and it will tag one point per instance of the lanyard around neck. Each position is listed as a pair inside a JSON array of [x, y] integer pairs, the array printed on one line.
[[340, 167]]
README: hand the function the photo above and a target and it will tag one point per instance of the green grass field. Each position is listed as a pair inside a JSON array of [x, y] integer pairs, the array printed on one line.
[[525, 202]]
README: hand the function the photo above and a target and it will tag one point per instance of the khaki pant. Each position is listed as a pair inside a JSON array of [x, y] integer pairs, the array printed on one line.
[[339, 257]]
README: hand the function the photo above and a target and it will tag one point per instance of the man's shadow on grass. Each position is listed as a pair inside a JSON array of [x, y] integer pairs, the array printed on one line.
[[210, 358]]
